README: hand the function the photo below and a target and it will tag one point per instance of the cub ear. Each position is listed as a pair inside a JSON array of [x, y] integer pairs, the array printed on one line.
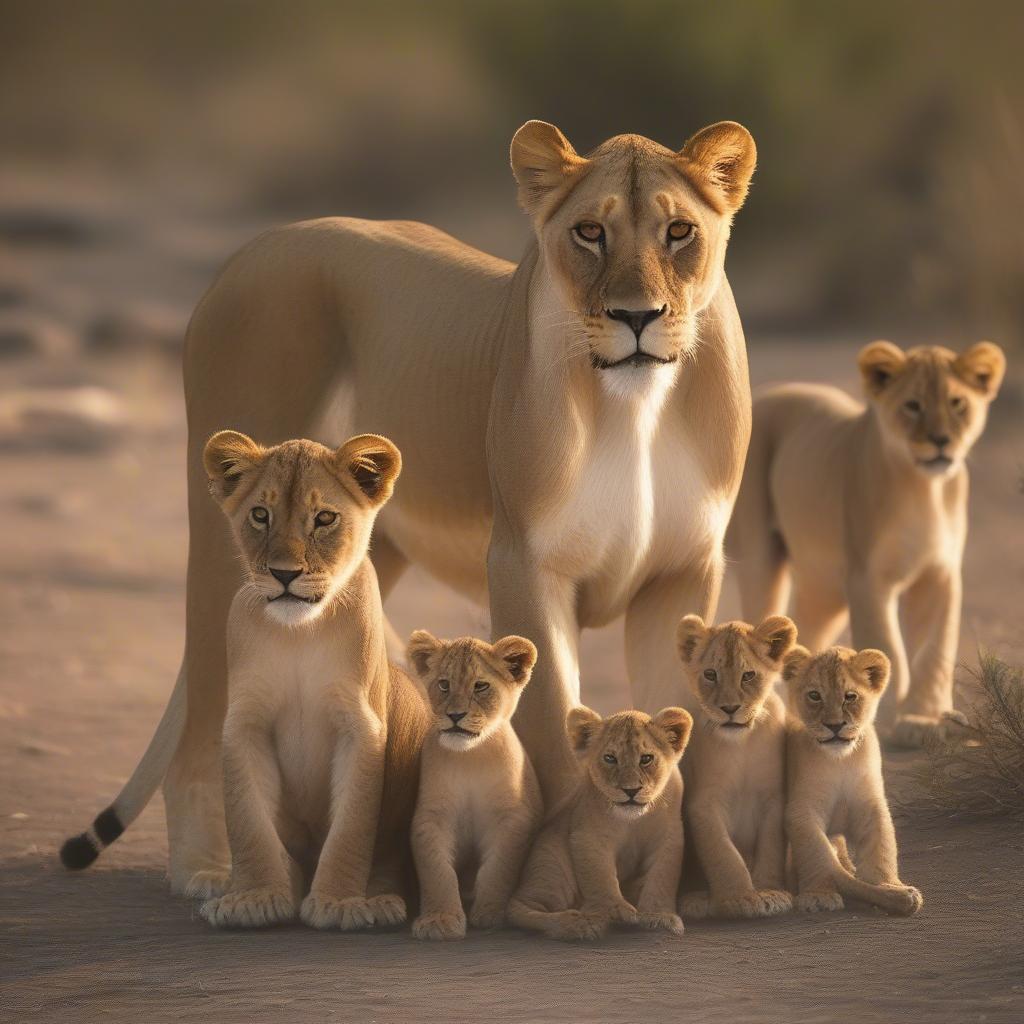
[[874, 666], [879, 362], [518, 655], [794, 662], [690, 631], [227, 455], [421, 651], [982, 366], [545, 166], [582, 726], [676, 724], [774, 638], [374, 463], [723, 156]]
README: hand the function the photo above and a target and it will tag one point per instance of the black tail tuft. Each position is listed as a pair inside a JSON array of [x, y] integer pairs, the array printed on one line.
[[78, 852]]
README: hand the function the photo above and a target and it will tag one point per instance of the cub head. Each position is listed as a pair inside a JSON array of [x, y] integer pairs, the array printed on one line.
[[731, 668], [301, 514], [473, 686], [634, 236], [930, 402], [629, 757], [834, 695]]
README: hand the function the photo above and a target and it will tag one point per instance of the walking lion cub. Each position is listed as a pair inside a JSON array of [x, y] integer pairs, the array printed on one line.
[[479, 801]]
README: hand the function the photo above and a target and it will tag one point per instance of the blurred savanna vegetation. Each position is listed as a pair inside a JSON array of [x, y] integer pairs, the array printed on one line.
[[890, 190]]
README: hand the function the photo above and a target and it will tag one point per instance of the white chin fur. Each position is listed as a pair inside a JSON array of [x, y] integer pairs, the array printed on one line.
[[629, 811], [458, 741], [730, 735], [295, 613], [632, 382], [838, 750]]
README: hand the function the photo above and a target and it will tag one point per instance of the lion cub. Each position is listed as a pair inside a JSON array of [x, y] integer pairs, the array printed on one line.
[[322, 735], [613, 850], [479, 801], [735, 766], [866, 507], [837, 816]]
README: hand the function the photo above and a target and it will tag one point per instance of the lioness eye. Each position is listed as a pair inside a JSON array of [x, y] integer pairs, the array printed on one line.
[[710, 675], [590, 231], [442, 685], [850, 696], [260, 515], [480, 686], [747, 676], [646, 759], [679, 231], [814, 697], [610, 759], [325, 518], [912, 406]]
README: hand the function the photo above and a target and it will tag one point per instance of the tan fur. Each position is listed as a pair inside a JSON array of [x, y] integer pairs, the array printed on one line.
[[322, 735], [835, 794], [479, 802], [853, 503], [612, 851], [735, 766]]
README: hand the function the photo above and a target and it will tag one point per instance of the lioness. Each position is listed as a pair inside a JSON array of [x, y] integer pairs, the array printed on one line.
[[835, 796], [322, 734], [573, 429], [479, 803], [735, 765], [613, 850], [867, 506]]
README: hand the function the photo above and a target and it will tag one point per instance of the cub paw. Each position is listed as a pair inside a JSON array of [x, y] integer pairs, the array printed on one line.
[[907, 900], [574, 926], [619, 911], [695, 906], [774, 901], [487, 915], [744, 905], [440, 927], [204, 885], [666, 922], [916, 732], [249, 908], [347, 915], [388, 909], [813, 902]]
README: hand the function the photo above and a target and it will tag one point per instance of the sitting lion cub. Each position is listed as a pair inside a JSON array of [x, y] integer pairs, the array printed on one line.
[[612, 851], [837, 815], [479, 802], [322, 735], [735, 766], [866, 507]]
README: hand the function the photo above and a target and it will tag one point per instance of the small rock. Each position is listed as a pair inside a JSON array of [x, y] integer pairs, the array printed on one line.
[[72, 420]]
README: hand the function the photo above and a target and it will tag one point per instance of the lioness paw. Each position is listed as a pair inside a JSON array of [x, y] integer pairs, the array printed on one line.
[[349, 914], [813, 902], [916, 732], [249, 908], [440, 927], [388, 909], [667, 922], [695, 906], [774, 901], [487, 915], [205, 884]]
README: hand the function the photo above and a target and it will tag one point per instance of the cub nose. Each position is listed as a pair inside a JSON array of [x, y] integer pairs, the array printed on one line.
[[285, 576], [456, 716], [631, 792], [836, 727], [729, 709], [939, 440], [636, 319]]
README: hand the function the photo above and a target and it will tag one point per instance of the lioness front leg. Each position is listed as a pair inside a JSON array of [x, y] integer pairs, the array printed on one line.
[[433, 848], [337, 898], [731, 888], [769, 872], [656, 904], [500, 866]]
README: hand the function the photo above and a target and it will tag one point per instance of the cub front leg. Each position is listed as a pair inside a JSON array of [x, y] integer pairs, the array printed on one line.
[[769, 871], [598, 880], [731, 888], [814, 861], [656, 904], [337, 898], [874, 838], [433, 849], [500, 865]]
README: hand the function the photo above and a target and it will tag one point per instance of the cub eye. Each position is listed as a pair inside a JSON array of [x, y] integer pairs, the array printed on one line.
[[443, 685], [850, 696], [710, 675], [325, 518], [679, 231], [958, 403], [610, 759], [260, 515], [747, 676], [912, 406], [480, 686], [590, 231], [646, 759], [814, 697]]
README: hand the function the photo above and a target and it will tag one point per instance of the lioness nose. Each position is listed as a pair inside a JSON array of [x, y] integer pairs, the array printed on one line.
[[730, 709], [836, 727], [939, 440], [631, 792], [637, 319], [285, 576], [456, 716]]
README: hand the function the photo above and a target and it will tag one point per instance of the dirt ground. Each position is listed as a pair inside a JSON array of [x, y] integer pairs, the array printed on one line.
[[91, 605]]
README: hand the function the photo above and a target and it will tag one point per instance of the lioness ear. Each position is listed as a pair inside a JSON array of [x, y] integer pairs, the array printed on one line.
[[690, 631], [519, 656], [374, 463], [794, 662], [879, 362], [676, 724], [420, 651], [982, 366], [582, 725], [227, 455], [545, 166], [723, 156], [774, 638], [874, 666]]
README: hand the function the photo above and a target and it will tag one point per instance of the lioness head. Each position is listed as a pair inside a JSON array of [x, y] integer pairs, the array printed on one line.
[[629, 757], [930, 402], [473, 686], [301, 514], [634, 235], [731, 668], [834, 695]]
